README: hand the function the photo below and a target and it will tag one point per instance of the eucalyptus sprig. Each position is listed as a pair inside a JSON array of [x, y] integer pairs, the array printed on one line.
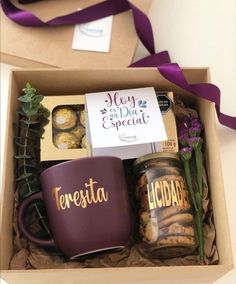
[[32, 118]]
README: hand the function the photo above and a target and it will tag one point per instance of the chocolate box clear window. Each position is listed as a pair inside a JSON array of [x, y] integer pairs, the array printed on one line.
[[64, 137], [68, 127]]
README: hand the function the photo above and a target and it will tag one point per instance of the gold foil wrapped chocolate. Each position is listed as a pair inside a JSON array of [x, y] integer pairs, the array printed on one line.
[[68, 124], [83, 143], [82, 118], [66, 140], [64, 118], [79, 132]]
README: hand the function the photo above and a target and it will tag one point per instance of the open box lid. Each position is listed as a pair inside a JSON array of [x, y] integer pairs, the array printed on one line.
[[52, 46]]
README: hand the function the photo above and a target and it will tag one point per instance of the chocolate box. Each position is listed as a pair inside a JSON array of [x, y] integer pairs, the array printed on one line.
[[48, 150], [67, 82], [52, 46]]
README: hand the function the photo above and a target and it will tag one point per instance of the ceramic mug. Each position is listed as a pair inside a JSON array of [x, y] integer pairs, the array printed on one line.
[[87, 206]]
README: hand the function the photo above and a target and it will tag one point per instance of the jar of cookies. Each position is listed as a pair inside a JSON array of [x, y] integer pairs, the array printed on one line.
[[166, 222]]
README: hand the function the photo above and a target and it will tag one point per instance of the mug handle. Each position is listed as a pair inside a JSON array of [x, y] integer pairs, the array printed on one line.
[[21, 221]]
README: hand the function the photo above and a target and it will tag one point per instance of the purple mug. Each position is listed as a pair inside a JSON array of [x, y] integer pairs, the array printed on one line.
[[87, 206]]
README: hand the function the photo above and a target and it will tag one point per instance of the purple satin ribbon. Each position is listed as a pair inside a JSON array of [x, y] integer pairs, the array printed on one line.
[[170, 71]]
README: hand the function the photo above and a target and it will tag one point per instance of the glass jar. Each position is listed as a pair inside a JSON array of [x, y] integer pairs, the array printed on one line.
[[166, 222]]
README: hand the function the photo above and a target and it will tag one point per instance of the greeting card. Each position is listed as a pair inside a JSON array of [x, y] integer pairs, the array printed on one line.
[[124, 123]]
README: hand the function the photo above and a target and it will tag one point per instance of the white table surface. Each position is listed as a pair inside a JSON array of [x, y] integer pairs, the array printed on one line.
[[197, 33]]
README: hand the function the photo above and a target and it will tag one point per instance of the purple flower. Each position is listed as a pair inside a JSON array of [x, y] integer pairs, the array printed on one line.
[[183, 131], [195, 122], [185, 153], [183, 139], [195, 130], [195, 142], [186, 122], [183, 125]]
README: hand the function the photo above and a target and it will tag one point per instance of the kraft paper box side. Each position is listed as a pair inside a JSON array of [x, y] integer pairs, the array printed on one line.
[[76, 81], [52, 46]]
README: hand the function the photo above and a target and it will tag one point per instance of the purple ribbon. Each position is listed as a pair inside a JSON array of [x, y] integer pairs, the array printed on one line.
[[170, 71]]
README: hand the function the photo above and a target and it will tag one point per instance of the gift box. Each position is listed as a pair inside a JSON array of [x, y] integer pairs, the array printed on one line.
[[39, 47], [67, 82]]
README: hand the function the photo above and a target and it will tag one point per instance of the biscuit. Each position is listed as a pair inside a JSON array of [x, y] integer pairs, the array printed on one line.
[[149, 232], [183, 219], [176, 229], [172, 210], [176, 240]]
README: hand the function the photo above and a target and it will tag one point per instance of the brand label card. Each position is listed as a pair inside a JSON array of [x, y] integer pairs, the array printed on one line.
[[93, 36], [129, 118]]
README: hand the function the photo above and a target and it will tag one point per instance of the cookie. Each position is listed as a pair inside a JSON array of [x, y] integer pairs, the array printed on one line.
[[176, 240], [172, 210], [176, 229], [149, 232], [183, 219]]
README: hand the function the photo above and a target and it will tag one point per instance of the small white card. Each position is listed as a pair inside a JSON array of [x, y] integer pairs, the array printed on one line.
[[93, 36], [124, 123]]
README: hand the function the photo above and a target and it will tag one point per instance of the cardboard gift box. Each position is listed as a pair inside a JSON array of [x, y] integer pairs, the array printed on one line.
[[69, 82], [52, 46]]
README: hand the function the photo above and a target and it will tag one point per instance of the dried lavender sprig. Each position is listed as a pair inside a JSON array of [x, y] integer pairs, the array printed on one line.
[[196, 144]]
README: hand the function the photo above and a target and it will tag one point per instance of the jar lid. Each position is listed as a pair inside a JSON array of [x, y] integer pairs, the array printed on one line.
[[157, 155]]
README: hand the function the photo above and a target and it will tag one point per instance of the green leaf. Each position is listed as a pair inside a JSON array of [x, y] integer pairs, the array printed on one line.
[[19, 144], [24, 190], [24, 176], [25, 99], [26, 122], [26, 107], [44, 111], [27, 169], [37, 99], [29, 110], [22, 157], [27, 165], [29, 185], [198, 199], [34, 131], [23, 139], [28, 89]]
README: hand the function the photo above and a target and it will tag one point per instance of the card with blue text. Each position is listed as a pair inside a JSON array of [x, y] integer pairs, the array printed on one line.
[[124, 122]]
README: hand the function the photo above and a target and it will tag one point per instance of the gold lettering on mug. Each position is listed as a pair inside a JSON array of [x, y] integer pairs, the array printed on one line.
[[166, 193], [80, 198]]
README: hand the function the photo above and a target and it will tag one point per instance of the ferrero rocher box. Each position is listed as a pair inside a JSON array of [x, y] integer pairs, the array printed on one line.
[[65, 132], [63, 83], [52, 46]]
